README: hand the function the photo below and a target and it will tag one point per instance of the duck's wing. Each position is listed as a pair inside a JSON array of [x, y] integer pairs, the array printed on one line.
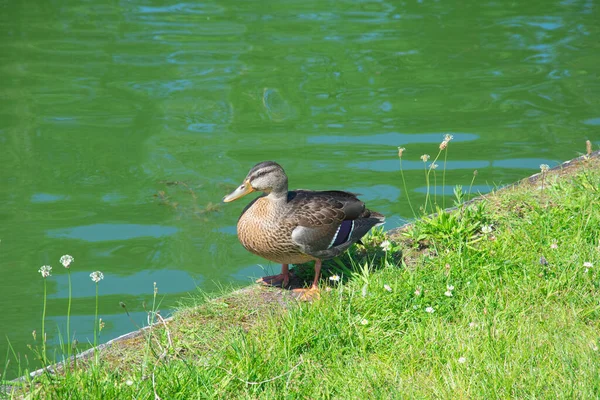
[[329, 222]]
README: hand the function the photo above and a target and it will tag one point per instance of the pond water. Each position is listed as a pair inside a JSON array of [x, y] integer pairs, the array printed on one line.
[[124, 123]]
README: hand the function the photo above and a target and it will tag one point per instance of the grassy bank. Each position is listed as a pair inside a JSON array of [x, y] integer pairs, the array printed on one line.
[[499, 299]]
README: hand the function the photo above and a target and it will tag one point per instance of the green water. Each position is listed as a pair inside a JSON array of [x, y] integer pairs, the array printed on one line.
[[123, 124]]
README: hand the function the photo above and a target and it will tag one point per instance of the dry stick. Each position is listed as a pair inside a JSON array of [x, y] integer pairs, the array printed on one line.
[[405, 190], [265, 381], [163, 355], [444, 179], [166, 329]]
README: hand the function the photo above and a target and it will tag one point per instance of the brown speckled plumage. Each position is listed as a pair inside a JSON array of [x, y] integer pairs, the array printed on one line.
[[261, 228], [293, 227]]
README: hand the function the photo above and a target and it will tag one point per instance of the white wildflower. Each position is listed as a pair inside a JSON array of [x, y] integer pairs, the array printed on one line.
[[448, 293], [334, 278], [429, 310], [450, 287], [544, 168], [386, 245], [486, 229], [387, 287], [588, 264], [418, 291], [129, 382], [425, 157], [472, 324], [66, 260], [97, 276], [462, 360], [45, 271], [400, 151], [433, 166], [554, 245], [364, 321], [448, 137]]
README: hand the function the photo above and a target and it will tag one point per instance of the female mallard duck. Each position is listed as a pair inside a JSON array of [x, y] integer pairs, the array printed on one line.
[[293, 227]]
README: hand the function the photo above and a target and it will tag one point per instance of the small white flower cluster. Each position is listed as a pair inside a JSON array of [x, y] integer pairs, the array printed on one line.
[[430, 310], [486, 229], [446, 140], [45, 271], [448, 292], [97, 276], [588, 265], [66, 260], [386, 245]]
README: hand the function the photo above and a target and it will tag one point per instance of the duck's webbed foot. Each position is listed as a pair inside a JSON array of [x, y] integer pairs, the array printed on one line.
[[307, 294], [281, 280]]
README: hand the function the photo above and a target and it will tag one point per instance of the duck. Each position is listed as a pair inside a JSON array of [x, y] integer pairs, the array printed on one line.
[[294, 227]]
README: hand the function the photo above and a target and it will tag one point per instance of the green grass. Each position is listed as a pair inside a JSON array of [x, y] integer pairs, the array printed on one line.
[[522, 321]]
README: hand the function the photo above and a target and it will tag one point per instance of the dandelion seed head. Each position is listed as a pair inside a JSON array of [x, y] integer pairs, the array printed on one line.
[[45, 271], [429, 310], [66, 260], [97, 276], [425, 157]]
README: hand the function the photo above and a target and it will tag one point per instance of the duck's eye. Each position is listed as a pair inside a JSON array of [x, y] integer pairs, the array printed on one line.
[[242, 186]]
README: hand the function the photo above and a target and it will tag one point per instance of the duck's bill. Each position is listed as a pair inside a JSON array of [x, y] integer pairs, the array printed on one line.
[[241, 191]]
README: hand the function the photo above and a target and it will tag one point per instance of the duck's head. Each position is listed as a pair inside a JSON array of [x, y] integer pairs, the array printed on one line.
[[267, 177]]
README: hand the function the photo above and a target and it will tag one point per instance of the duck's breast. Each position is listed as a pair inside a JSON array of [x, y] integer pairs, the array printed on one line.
[[266, 231]]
